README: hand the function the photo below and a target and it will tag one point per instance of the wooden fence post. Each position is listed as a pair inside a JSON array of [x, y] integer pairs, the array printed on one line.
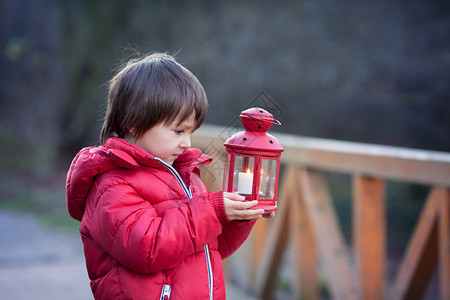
[[444, 243], [258, 244], [305, 285], [369, 233]]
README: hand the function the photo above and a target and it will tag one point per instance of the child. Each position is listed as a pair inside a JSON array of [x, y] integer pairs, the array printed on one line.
[[149, 227]]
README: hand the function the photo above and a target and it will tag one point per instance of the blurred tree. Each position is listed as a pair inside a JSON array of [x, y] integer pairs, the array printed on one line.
[[375, 73], [90, 30]]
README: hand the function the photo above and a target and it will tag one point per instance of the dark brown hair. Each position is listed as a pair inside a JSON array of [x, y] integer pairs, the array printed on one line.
[[152, 90]]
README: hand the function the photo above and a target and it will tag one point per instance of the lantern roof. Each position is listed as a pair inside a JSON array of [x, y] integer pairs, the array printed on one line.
[[256, 121]]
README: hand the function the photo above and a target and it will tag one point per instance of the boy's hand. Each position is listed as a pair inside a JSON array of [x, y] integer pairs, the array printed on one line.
[[269, 215], [237, 209]]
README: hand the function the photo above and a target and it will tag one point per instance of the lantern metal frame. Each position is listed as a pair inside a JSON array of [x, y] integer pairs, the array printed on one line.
[[254, 143]]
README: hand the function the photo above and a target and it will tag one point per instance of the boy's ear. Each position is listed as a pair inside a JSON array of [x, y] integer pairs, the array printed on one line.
[[131, 133]]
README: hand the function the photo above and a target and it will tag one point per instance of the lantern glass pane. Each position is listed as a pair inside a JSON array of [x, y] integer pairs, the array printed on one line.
[[243, 174], [268, 178]]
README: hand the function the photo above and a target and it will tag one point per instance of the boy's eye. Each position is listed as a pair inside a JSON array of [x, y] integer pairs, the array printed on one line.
[[179, 131]]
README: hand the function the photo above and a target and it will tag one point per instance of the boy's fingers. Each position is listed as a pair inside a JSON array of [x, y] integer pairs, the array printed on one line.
[[234, 196], [253, 214], [247, 204], [241, 210]]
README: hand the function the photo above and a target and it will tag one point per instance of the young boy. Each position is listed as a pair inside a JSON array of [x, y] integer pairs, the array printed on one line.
[[149, 227]]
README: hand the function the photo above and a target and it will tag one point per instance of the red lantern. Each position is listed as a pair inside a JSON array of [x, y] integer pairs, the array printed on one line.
[[253, 160]]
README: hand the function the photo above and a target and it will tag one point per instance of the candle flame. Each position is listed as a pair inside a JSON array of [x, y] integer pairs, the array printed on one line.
[[248, 171]]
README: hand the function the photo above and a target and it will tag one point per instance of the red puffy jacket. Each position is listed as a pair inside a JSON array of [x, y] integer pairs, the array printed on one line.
[[150, 230]]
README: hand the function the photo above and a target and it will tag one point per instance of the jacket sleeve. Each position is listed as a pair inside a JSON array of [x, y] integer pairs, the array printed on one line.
[[129, 229], [234, 233]]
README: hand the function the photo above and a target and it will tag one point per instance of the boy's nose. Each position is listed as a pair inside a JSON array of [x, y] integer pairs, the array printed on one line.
[[186, 142]]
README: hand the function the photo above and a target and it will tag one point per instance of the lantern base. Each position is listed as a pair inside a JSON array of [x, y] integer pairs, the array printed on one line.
[[267, 206]]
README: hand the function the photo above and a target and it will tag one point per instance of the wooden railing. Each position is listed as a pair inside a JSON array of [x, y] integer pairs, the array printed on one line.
[[306, 219]]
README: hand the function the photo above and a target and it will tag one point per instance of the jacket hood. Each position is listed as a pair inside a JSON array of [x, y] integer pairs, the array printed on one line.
[[117, 153]]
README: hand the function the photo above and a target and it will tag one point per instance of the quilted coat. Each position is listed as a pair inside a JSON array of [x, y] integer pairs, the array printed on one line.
[[150, 230]]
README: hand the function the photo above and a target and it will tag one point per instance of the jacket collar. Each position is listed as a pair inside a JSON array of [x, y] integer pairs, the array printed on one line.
[[133, 156], [118, 153]]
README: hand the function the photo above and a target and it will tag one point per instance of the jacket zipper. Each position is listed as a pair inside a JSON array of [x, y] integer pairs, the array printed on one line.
[[208, 257], [165, 293], [210, 274]]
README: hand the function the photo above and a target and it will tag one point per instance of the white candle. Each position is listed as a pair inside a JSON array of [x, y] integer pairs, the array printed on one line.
[[245, 183]]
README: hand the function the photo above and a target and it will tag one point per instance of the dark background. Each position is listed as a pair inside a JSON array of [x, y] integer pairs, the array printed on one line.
[[366, 71]]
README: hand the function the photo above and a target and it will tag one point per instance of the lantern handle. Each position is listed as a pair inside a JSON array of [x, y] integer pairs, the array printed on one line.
[[274, 121]]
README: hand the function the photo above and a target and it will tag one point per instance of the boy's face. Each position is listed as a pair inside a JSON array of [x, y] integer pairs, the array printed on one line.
[[167, 141]]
